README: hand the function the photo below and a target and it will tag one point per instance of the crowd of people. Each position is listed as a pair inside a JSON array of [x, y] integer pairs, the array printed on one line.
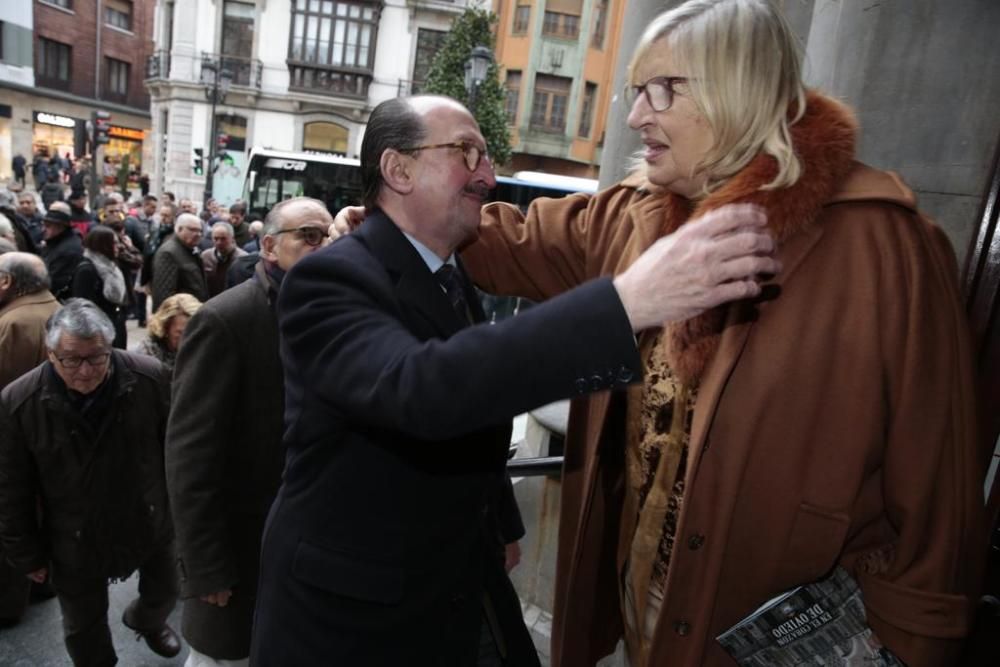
[[762, 337]]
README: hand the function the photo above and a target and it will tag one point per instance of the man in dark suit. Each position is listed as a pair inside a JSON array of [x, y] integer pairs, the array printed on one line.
[[224, 456], [397, 411], [177, 265]]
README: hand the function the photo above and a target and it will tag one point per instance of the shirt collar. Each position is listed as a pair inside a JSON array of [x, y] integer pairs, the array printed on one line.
[[432, 261]]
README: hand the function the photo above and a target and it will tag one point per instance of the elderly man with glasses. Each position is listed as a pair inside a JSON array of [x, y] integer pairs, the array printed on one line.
[[84, 432], [177, 265], [225, 457]]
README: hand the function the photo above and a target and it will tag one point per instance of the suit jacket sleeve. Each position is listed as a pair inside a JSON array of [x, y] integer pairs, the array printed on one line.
[[20, 534], [345, 339], [921, 597], [198, 441]]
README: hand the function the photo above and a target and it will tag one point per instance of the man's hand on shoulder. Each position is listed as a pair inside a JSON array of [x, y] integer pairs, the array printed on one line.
[[719, 257], [348, 219]]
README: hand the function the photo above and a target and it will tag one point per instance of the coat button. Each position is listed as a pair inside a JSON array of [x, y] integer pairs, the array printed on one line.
[[695, 542], [596, 383], [581, 386], [683, 628], [625, 375]]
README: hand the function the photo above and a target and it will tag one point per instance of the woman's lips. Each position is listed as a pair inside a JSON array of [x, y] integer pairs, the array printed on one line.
[[654, 151]]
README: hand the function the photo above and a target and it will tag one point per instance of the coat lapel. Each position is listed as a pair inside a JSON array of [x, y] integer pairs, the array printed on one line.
[[416, 287]]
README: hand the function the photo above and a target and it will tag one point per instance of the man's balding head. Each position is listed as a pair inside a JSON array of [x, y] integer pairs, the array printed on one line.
[[21, 273]]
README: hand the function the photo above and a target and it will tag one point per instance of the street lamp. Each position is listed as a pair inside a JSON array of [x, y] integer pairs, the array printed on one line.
[[216, 79], [476, 67]]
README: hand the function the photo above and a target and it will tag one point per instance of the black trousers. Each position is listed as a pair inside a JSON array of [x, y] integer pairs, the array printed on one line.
[[84, 604]]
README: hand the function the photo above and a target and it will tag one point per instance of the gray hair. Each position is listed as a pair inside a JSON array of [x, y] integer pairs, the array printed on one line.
[[6, 246], [187, 219], [79, 318], [272, 222], [6, 228], [27, 272], [225, 226]]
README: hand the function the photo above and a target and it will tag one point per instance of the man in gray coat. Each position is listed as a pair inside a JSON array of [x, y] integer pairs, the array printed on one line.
[[177, 267], [224, 456]]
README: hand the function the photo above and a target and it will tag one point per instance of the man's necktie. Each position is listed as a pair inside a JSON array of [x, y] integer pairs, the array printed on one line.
[[451, 279]]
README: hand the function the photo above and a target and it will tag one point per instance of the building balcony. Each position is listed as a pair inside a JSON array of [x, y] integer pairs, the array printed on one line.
[[329, 80], [246, 71], [158, 65]]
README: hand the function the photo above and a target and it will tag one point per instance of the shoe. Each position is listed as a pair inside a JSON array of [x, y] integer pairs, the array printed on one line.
[[161, 641]]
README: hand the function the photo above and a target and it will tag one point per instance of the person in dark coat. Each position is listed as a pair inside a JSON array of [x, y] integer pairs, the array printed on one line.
[[17, 165], [218, 259], [22, 234], [224, 459], [99, 279], [40, 171], [177, 264], [63, 249], [84, 432], [52, 191], [27, 210], [398, 413]]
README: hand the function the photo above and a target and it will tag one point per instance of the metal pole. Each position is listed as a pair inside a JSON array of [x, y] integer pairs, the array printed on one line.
[[210, 167]]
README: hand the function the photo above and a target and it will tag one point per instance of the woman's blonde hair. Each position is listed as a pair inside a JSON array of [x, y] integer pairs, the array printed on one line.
[[178, 304], [744, 69]]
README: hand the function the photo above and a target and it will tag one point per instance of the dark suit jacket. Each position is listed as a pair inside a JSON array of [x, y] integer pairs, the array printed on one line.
[[397, 423], [177, 270], [224, 459]]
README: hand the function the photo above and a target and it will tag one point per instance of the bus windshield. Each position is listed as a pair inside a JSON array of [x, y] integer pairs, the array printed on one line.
[[274, 176]]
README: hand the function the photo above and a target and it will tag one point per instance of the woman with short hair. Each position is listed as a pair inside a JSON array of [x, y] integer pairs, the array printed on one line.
[[166, 327], [98, 279]]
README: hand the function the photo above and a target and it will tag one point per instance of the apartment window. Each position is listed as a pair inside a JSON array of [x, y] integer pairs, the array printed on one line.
[[521, 17], [53, 60], [116, 84], [118, 13], [556, 24], [334, 33], [548, 107], [65, 4], [322, 137], [429, 42], [513, 97], [587, 109], [600, 19], [237, 28]]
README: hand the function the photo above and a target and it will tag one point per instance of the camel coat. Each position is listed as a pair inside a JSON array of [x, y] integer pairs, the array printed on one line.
[[834, 419], [22, 334]]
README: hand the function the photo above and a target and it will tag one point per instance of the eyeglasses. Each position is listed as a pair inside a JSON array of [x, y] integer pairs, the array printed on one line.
[[312, 236], [473, 154], [659, 91], [94, 360]]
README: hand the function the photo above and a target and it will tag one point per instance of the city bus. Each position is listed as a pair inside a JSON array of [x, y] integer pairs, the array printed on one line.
[[272, 176]]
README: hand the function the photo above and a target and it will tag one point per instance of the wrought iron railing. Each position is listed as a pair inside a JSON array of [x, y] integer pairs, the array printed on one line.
[[158, 65], [329, 80]]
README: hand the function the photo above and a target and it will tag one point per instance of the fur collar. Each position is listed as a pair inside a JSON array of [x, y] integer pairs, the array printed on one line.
[[824, 142]]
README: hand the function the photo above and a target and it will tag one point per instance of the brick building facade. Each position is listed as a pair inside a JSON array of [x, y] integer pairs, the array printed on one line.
[[84, 55]]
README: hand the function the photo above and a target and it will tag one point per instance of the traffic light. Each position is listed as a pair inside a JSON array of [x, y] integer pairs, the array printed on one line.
[[198, 162], [101, 121], [222, 141]]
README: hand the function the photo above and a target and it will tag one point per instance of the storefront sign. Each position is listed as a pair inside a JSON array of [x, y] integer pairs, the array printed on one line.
[[54, 119], [126, 133]]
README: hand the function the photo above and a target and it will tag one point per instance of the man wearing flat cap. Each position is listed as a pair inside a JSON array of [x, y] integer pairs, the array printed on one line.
[[63, 249]]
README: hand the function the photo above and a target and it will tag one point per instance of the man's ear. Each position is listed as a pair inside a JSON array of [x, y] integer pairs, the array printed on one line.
[[267, 247], [397, 171]]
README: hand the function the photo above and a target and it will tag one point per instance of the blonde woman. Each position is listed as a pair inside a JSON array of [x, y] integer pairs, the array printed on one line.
[[166, 327], [828, 423]]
